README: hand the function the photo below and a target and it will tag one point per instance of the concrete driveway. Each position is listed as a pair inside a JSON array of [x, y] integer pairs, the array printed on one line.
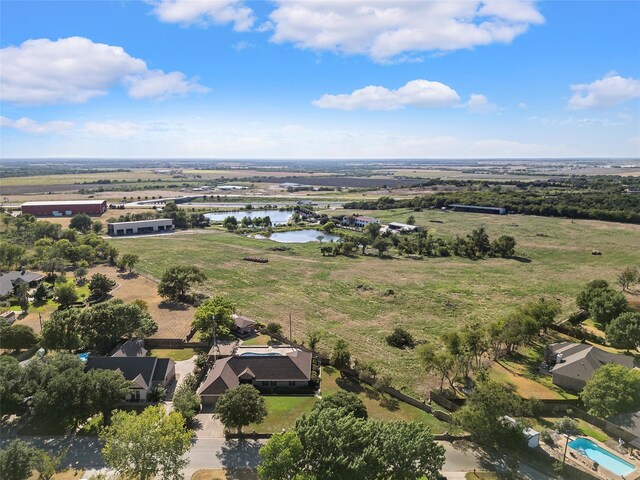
[[208, 426], [183, 368]]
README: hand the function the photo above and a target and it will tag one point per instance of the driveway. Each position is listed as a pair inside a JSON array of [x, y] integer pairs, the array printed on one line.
[[183, 368], [208, 426]]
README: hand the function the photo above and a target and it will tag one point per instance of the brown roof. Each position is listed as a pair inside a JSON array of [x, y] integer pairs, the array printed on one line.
[[227, 371], [243, 322], [223, 349]]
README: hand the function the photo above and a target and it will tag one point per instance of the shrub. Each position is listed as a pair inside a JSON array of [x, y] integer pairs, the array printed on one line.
[[400, 338]]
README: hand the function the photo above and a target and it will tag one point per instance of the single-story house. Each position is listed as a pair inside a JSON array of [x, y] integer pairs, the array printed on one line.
[[243, 326], [574, 363], [145, 373], [9, 280], [131, 348], [265, 372], [9, 316], [358, 221]]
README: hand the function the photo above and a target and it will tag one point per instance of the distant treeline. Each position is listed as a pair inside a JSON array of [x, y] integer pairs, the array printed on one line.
[[35, 170], [596, 205]]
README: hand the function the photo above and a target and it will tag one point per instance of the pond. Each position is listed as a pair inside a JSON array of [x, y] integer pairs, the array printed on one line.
[[299, 236], [277, 217]]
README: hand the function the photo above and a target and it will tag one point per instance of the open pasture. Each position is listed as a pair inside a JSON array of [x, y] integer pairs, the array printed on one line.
[[350, 298]]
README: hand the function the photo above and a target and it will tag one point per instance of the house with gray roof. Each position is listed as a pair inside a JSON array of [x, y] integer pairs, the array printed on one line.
[[144, 373], [9, 280], [131, 348], [266, 372], [243, 326], [573, 364]]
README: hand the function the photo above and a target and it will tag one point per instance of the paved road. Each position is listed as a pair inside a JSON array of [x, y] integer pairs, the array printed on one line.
[[216, 452]]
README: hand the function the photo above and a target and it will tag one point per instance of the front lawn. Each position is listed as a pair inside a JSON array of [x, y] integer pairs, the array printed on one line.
[[176, 354], [283, 410]]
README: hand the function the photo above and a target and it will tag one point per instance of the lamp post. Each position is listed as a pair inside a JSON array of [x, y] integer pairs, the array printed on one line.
[[564, 456]]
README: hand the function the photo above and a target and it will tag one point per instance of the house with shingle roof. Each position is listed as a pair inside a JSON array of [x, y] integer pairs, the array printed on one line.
[[575, 363], [9, 280], [243, 326], [144, 373], [266, 372]]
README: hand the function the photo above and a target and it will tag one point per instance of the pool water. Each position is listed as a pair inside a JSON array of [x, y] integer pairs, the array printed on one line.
[[83, 356], [259, 354], [608, 460], [299, 236]]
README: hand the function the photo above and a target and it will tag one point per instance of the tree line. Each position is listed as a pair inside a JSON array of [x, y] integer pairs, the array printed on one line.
[[611, 205]]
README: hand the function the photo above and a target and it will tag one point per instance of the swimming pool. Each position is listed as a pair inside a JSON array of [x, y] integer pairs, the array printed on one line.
[[83, 356], [608, 460]]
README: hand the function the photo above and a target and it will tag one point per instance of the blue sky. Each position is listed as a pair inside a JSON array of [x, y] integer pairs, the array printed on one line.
[[320, 79]]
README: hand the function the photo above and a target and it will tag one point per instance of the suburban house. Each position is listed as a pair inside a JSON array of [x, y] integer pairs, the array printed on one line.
[[131, 348], [159, 225], [358, 221], [243, 326], [9, 280], [265, 371], [145, 373], [572, 364]]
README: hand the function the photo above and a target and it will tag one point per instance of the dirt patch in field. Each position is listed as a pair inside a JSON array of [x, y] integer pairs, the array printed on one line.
[[174, 321]]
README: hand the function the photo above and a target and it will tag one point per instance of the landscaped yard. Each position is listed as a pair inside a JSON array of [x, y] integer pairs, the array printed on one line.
[[257, 340], [176, 354], [431, 296], [520, 371], [585, 428], [283, 410]]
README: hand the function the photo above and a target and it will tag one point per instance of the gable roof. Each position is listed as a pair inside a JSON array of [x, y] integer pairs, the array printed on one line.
[[131, 348], [133, 368], [9, 279], [243, 322], [580, 360], [227, 371]]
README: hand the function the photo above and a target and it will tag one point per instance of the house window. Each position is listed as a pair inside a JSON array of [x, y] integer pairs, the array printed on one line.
[[273, 383], [292, 383], [265, 384]]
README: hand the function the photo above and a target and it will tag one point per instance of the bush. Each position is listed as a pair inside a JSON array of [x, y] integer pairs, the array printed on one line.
[[400, 338], [158, 394], [273, 328]]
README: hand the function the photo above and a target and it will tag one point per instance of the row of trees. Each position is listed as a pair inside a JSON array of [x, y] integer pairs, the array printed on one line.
[[231, 223], [610, 203]]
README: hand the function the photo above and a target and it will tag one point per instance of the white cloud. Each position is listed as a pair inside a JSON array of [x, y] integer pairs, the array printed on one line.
[[28, 125], [418, 93], [385, 29], [523, 105], [608, 92], [113, 129], [75, 69], [478, 103], [205, 12]]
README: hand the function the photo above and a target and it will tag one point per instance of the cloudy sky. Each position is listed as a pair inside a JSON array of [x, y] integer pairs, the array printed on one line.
[[320, 79]]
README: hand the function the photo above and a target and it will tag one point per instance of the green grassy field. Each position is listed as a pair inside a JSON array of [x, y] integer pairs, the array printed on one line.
[[432, 296], [176, 355]]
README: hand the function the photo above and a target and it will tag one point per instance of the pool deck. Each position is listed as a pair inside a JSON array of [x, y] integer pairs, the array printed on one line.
[[601, 472], [265, 349]]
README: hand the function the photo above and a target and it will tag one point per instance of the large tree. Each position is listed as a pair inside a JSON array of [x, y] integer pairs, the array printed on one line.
[[128, 261], [591, 290], [62, 330], [341, 357], [177, 281], [482, 414], [624, 331], [143, 446], [504, 246], [100, 285], [66, 294], [607, 305], [612, 389], [17, 460], [17, 336], [240, 407], [219, 308], [333, 445], [438, 361], [11, 385], [81, 222], [104, 324], [544, 311]]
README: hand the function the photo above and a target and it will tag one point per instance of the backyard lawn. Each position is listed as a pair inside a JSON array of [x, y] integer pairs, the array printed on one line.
[[258, 340], [586, 429], [176, 354], [283, 410]]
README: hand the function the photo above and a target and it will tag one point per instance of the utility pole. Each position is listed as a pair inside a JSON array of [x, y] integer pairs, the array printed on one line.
[[215, 340], [290, 336]]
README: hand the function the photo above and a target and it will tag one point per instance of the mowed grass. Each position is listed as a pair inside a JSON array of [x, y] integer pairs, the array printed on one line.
[[432, 296], [283, 410], [175, 354]]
